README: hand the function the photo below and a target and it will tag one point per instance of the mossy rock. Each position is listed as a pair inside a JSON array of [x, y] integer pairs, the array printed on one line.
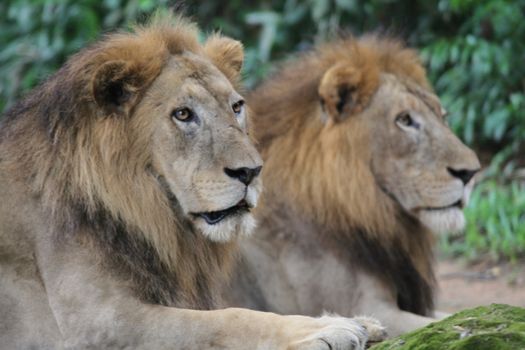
[[494, 327]]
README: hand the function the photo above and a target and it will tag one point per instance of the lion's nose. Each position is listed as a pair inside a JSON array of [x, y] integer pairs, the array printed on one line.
[[463, 174], [244, 174]]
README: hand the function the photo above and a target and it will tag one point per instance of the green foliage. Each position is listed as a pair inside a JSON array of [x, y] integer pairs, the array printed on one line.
[[36, 37], [474, 52], [479, 72], [494, 327]]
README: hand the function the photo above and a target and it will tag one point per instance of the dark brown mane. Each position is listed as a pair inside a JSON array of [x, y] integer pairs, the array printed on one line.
[[311, 168]]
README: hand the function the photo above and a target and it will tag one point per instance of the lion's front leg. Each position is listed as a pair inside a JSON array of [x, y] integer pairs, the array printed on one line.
[[247, 329], [93, 310]]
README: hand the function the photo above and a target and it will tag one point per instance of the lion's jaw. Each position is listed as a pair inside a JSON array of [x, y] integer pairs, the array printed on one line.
[[222, 211], [440, 219], [437, 203], [449, 219], [208, 163]]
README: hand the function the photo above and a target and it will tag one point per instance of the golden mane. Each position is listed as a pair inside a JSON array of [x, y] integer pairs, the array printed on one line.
[[93, 174], [312, 167]]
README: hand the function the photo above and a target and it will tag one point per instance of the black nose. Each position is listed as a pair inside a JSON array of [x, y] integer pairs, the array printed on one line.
[[244, 175], [463, 174]]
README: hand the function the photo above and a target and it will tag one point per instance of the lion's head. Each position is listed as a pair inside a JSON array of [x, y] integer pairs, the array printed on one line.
[[381, 133], [187, 124], [145, 132], [200, 150], [413, 156]]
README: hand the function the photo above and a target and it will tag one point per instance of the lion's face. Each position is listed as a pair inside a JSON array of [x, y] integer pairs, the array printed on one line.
[[201, 153], [415, 157]]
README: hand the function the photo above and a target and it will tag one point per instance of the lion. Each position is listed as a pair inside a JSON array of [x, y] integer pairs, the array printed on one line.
[[127, 178], [361, 169]]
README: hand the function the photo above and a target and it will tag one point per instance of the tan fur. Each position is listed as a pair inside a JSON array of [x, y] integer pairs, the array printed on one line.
[[106, 188], [344, 184]]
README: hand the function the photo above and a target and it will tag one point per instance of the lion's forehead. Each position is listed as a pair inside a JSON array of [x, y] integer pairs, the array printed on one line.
[[187, 78], [211, 85], [405, 94], [205, 74], [421, 103], [429, 99]]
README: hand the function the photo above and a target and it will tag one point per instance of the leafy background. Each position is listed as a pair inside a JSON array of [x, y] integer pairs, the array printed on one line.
[[474, 51]]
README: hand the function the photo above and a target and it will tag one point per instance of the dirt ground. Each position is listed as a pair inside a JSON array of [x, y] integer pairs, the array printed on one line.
[[468, 285]]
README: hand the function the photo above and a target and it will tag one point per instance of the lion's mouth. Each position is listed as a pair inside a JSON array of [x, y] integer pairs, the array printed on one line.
[[214, 217], [457, 204]]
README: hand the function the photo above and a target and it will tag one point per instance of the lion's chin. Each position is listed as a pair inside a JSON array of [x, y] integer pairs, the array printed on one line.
[[448, 220], [227, 229]]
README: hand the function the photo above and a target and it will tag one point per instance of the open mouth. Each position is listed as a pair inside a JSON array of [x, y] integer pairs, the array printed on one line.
[[458, 204], [214, 217]]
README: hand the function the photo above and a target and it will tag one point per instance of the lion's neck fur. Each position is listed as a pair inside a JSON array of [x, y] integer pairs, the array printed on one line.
[[90, 173], [321, 171]]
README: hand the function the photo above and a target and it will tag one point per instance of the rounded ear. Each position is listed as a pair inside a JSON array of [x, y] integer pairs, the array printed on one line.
[[227, 54], [115, 86], [345, 89]]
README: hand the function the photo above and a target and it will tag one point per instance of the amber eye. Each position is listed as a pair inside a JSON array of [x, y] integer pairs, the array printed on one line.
[[404, 119], [183, 114], [237, 107]]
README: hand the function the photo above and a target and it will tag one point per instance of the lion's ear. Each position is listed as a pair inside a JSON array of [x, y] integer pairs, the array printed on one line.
[[115, 86], [227, 54], [346, 89]]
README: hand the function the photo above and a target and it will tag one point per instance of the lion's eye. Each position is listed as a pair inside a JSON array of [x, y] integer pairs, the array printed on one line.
[[237, 107], [404, 119], [183, 114]]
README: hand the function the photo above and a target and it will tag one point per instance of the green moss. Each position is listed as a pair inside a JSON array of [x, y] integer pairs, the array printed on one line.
[[494, 327]]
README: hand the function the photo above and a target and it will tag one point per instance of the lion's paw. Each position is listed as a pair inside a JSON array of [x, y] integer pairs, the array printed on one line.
[[334, 333], [376, 332]]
